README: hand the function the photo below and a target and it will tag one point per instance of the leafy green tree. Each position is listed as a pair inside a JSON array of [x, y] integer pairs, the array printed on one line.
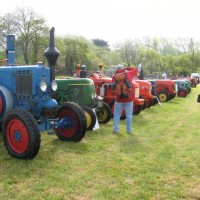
[[39, 43], [29, 28], [155, 44], [75, 52], [191, 46], [7, 26], [128, 52]]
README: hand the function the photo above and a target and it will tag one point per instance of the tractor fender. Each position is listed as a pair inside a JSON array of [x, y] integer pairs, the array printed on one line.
[[6, 101]]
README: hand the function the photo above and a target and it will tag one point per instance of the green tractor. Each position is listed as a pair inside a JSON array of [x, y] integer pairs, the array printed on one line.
[[82, 92]]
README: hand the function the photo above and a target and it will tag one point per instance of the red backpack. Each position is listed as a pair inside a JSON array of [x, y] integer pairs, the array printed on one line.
[[121, 86]]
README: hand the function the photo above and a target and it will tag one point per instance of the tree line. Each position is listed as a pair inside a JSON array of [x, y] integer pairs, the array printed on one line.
[[179, 56]]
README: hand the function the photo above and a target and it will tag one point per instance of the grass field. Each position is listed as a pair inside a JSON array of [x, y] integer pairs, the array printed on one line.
[[160, 160]]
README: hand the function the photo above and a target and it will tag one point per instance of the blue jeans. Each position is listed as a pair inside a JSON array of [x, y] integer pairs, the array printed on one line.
[[118, 107]]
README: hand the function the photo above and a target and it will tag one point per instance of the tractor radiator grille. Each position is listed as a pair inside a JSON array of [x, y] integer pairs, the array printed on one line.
[[24, 83]]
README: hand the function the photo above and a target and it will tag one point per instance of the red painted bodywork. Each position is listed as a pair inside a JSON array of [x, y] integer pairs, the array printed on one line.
[[103, 88], [167, 86], [145, 92]]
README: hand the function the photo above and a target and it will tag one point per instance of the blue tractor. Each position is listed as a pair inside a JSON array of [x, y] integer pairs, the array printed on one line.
[[27, 106]]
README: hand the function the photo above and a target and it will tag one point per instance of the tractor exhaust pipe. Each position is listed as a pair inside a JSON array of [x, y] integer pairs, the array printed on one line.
[[10, 48], [51, 54]]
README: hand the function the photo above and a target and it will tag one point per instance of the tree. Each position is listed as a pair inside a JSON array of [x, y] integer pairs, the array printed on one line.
[[29, 28], [7, 26], [39, 41], [75, 52], [100, 43], [128, 52], [191, 46]]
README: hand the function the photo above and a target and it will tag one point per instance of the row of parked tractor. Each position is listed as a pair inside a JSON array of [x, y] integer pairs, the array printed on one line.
[[147, 93], [32, 100]]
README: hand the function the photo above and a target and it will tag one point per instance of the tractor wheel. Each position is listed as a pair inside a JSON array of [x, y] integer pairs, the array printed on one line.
[[76, 122], [137, 109], [149, 103], [21, 134], [153, 102], [144, 105], [104, 114], [90, 117], [163, 97], [182, 93]]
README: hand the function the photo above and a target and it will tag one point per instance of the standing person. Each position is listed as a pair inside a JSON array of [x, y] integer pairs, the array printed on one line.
[[77, 71], [125, 103]]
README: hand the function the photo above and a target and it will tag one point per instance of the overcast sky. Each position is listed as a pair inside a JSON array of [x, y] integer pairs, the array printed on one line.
[[116, 20]]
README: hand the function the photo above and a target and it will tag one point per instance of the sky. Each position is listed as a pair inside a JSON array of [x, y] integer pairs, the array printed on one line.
[[116, 20]]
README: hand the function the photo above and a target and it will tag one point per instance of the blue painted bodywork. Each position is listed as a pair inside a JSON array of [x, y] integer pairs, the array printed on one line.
[[23, 83], [33, 99]]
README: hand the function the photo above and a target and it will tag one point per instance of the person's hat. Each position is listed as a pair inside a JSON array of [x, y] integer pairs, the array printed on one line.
[[119, 70]]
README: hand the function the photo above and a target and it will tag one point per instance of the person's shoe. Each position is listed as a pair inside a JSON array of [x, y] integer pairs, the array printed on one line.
[[129, 132], [115, 132]]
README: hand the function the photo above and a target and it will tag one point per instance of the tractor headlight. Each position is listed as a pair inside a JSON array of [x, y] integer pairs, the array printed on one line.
[[43, 86], [54, 86]]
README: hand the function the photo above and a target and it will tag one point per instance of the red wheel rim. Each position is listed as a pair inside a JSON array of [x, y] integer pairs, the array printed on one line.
[[73, 128], [182, 94], [17, 136]]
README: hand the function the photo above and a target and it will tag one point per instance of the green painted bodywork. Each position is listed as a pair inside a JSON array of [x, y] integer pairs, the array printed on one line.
[[78, 90]]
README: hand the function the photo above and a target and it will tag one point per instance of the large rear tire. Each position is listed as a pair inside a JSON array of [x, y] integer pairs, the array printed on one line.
[[90, 117], [21, 134], [76, 124]]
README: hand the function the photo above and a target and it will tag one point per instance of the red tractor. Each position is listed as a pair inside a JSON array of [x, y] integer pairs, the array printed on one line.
[[103, 88], [145, 93], [165, 89]]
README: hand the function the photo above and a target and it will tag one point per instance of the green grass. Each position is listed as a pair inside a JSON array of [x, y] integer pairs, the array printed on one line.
[[161, 160]]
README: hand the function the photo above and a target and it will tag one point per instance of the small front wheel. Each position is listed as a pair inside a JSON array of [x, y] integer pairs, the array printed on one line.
[[90, 117], [137, 109], [182, 93], [163, 97], [104, 114]]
